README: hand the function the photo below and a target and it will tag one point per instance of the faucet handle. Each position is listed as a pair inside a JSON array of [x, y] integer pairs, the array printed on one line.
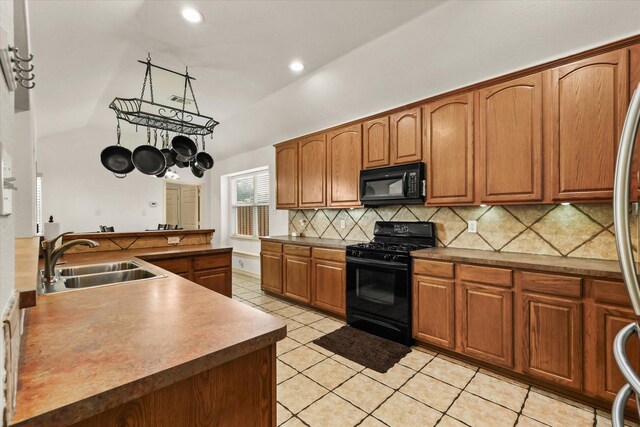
[[46, 244]]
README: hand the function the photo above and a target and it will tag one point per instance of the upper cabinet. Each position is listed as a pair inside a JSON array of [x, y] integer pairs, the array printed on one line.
[[510, 137], [406, 136], [375, 143], [587, 104], [344, 161], [312, 153], [448, 135], [287, 175]]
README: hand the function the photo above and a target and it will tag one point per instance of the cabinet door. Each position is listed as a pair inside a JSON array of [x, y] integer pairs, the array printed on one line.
[[552, 335], [510, 160], [587, 102], [312, 158], [406, 136], [609, 322], [218, 280], [271, 272], [287, 176], [297, 275], [329, 285], [434, 311], [179, 266], [375, 143], [487, 323], [449, 150], [344, 161]]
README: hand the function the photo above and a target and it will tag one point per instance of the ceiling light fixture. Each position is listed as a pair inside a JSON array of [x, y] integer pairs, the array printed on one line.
[[296, 66], [191, 15]]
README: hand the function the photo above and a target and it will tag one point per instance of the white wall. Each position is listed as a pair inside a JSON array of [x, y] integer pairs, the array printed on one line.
[[81, 194], [278, 219], [24, 169]]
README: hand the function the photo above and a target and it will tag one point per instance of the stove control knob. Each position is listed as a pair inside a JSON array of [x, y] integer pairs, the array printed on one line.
[[360, 253], [387, 257], [394, 258]]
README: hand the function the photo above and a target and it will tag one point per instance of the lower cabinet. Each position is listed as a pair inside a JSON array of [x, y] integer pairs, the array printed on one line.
[[297, 277], [552, 339], [218, 280], [433, 310], [328, 280], [271, 271]]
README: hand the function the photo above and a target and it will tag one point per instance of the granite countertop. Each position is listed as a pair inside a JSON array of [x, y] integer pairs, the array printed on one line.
[[312, 241], [555, 264], [114, 234], [89, 350]]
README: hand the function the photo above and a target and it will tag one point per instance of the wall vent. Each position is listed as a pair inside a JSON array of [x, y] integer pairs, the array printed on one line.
[[178, 99]]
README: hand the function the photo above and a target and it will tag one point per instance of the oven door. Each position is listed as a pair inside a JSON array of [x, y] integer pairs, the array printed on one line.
[[379, 288]]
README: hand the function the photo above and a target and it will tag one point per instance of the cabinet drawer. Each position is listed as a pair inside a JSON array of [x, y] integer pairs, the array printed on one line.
[[487, 275], [271, 247], [433, 268], [329, 254], [609, 292], [176, 266], [297, 250], [552, 284], [205, 262]]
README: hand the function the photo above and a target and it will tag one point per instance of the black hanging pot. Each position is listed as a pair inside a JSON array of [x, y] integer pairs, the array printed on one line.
[[196, 171], [155, 140], [148, 159], [183, 148], [181, 164], [117, 159], [166, 151], [203, 160]]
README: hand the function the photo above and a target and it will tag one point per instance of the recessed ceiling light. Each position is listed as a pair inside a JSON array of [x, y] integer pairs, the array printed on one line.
[[296, 66], [191, 15]]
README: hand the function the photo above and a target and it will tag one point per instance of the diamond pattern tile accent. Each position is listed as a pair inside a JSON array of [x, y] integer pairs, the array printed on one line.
[[603, 246], [356, 213], [566, 228], [388, 212], [348, 221], [530, 243], [601, 213], [448, 225], [498, 227], [469, 213], [529, 214], [356, 233], [404, 214], [422, 213], [320, 222], [368, 222], [470, 241]]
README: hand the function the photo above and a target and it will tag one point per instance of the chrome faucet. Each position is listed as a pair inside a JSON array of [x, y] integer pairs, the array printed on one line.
[[51, 255]]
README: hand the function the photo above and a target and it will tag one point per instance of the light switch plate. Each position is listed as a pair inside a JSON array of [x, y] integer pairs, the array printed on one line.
[[6, 183], [173, 240], [343, 224], [472, 226]]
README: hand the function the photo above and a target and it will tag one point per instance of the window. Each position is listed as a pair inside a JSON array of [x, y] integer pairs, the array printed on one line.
[[251, 204], [39, 221]]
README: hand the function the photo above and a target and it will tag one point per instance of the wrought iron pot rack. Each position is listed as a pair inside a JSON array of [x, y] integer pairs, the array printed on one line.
[[141, 112]]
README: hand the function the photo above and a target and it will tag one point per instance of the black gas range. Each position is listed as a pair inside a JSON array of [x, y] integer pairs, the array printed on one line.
[[379, 278]]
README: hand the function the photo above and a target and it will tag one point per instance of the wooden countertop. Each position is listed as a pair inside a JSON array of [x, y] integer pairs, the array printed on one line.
[[26, 269], [556, 264], [89, 350], [108, 235], [312, 241]]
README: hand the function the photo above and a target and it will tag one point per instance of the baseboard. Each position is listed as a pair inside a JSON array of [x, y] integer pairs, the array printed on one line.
[[245, 273]]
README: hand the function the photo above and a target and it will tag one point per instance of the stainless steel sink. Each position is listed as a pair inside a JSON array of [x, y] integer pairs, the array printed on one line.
[[97, 268], [90, 280]]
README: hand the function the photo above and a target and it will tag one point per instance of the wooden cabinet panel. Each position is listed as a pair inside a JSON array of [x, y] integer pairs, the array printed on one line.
[[218, 280], [434, 311], [287, 175], [313, 171], [297, 277], [271, 272], [488, 275], [339, 255], [609, 321], [552, 339], [375, 143], [329, 285], [177, 266], [344, 161], [406, 136], [568, 286], [271, 247], [486, 314], [587, 102], [510, 154], [207, 262], [298, 250], [449, 150], [433, 268]]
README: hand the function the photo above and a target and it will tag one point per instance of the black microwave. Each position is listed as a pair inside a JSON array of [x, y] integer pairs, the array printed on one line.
[[395, 185]]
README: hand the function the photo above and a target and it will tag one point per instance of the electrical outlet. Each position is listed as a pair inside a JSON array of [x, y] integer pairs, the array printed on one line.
[[173, 240], [343, 224], [472, 227]]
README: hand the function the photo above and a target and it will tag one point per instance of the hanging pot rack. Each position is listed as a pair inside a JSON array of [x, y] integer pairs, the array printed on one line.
[[148, 113]]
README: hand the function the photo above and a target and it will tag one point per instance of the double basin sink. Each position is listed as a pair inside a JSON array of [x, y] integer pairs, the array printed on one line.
[[87, 276]]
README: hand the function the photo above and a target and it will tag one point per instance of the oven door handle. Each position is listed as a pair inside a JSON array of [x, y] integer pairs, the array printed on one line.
[[382, 264]]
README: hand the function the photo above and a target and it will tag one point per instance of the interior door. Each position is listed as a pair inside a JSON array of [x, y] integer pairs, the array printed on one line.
[[172, 206], [189, 212]]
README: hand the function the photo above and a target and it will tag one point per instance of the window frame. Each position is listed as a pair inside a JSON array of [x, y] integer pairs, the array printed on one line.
[[254, 205]]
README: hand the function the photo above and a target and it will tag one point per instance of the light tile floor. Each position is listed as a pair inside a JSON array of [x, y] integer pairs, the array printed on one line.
[[319, 388]]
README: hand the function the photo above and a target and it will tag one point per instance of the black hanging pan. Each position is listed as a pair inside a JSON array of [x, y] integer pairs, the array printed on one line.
[[148, 159], [183, 148], [155, 142], [117, 159], [196, 171], [203, 160], [166, 151]]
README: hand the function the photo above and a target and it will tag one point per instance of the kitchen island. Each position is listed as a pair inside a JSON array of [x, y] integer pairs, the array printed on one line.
[[162, 351]]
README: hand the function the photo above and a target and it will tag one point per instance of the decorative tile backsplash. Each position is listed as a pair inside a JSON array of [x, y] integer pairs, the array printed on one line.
[[580, 230]]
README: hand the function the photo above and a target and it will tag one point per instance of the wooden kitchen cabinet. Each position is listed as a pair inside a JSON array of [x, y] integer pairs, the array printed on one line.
[[375, 143], [406, 136], [218, 280], [180, 266], [344, 161], [587, 104], [449, 150], [287, 175], [510, 141], [434, 310], [312, 159], [329, 285], [271, 267], [297, 277]]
